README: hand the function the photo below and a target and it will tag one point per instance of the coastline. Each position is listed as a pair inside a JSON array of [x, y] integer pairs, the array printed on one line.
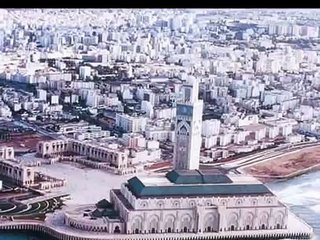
[[285, 167], [300, 172]]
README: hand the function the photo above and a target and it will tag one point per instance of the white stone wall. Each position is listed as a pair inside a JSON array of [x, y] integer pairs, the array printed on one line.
[[21, 175], [116, 158], [254, 218], [201, 214], [7, 153], [52, 147], [93, 225]]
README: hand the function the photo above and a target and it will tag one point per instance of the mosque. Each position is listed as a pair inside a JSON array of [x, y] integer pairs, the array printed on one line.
[[188, 202]]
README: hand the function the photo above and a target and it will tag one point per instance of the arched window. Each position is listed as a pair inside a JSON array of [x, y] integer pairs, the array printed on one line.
[[278, 226], [169, 230], [117, 229], [208, 229], [232, 228], [136, 231], [248, 227], [153, 230], [185, 229], [263, 226]]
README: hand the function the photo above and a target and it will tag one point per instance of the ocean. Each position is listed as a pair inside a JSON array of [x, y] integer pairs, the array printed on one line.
[[301, 194], [18, 236]]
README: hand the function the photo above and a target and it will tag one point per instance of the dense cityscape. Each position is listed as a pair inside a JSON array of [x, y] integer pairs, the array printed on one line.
[[158, 123]]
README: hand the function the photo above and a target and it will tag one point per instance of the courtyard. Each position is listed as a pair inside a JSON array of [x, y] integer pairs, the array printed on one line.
[[84, 185]]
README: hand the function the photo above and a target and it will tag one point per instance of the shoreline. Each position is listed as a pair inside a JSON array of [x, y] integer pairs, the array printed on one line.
[[297, 173], [286, 166]]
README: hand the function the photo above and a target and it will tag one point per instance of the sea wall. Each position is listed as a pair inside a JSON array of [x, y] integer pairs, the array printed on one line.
[[63, 234]]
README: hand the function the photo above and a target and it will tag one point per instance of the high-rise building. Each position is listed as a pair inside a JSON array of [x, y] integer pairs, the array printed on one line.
[[42, 94], [2, 40], [84, 72], [188, 127]]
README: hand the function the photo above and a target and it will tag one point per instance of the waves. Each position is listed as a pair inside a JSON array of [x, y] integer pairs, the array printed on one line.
[[302, 195]]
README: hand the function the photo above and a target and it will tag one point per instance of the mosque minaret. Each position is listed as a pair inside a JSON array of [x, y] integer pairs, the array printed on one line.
[[188, 127]]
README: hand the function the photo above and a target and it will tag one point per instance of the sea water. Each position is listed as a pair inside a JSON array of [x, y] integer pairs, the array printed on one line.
[[18, 236], [301, 194]]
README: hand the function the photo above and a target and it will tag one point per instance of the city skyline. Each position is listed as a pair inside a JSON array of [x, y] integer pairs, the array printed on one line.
[[159, 123]]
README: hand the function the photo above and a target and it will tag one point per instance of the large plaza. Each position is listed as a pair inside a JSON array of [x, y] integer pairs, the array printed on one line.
[[85, 185]]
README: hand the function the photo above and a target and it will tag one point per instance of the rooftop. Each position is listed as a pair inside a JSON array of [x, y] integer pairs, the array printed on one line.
[[197, 176], [195, 183]]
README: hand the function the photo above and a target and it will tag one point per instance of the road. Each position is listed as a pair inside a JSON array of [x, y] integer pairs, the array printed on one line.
[[37, 128], [266, 155]]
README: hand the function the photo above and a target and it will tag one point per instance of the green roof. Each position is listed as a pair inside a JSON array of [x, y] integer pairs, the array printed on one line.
[[110, 213], [96, 213], [184, 177], [197, 176], [185, 190], [197, 190], [103, 204]]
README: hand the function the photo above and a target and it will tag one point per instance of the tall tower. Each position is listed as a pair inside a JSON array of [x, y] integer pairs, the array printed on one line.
[[188, 127]]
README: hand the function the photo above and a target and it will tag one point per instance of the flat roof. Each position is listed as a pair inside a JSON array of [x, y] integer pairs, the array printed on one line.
[[253, 127]]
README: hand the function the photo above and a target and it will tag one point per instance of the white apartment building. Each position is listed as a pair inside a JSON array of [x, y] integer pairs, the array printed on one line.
[[133, 140], [42, 94], [282, 126], [82, 130], [91, 135], [210, 127], [131, 123], [305, 113], [51, 108], [54, 99], [286, 130], [147, 107], [225, 139], [141, 156], [210, 141], [81, 85], [160, 134], [273, 132], [248, 120], [111, 100], [240, 136], [259, 131], [92, 97], [276, 96], [166, 113], [71, 128], [84, 72]]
